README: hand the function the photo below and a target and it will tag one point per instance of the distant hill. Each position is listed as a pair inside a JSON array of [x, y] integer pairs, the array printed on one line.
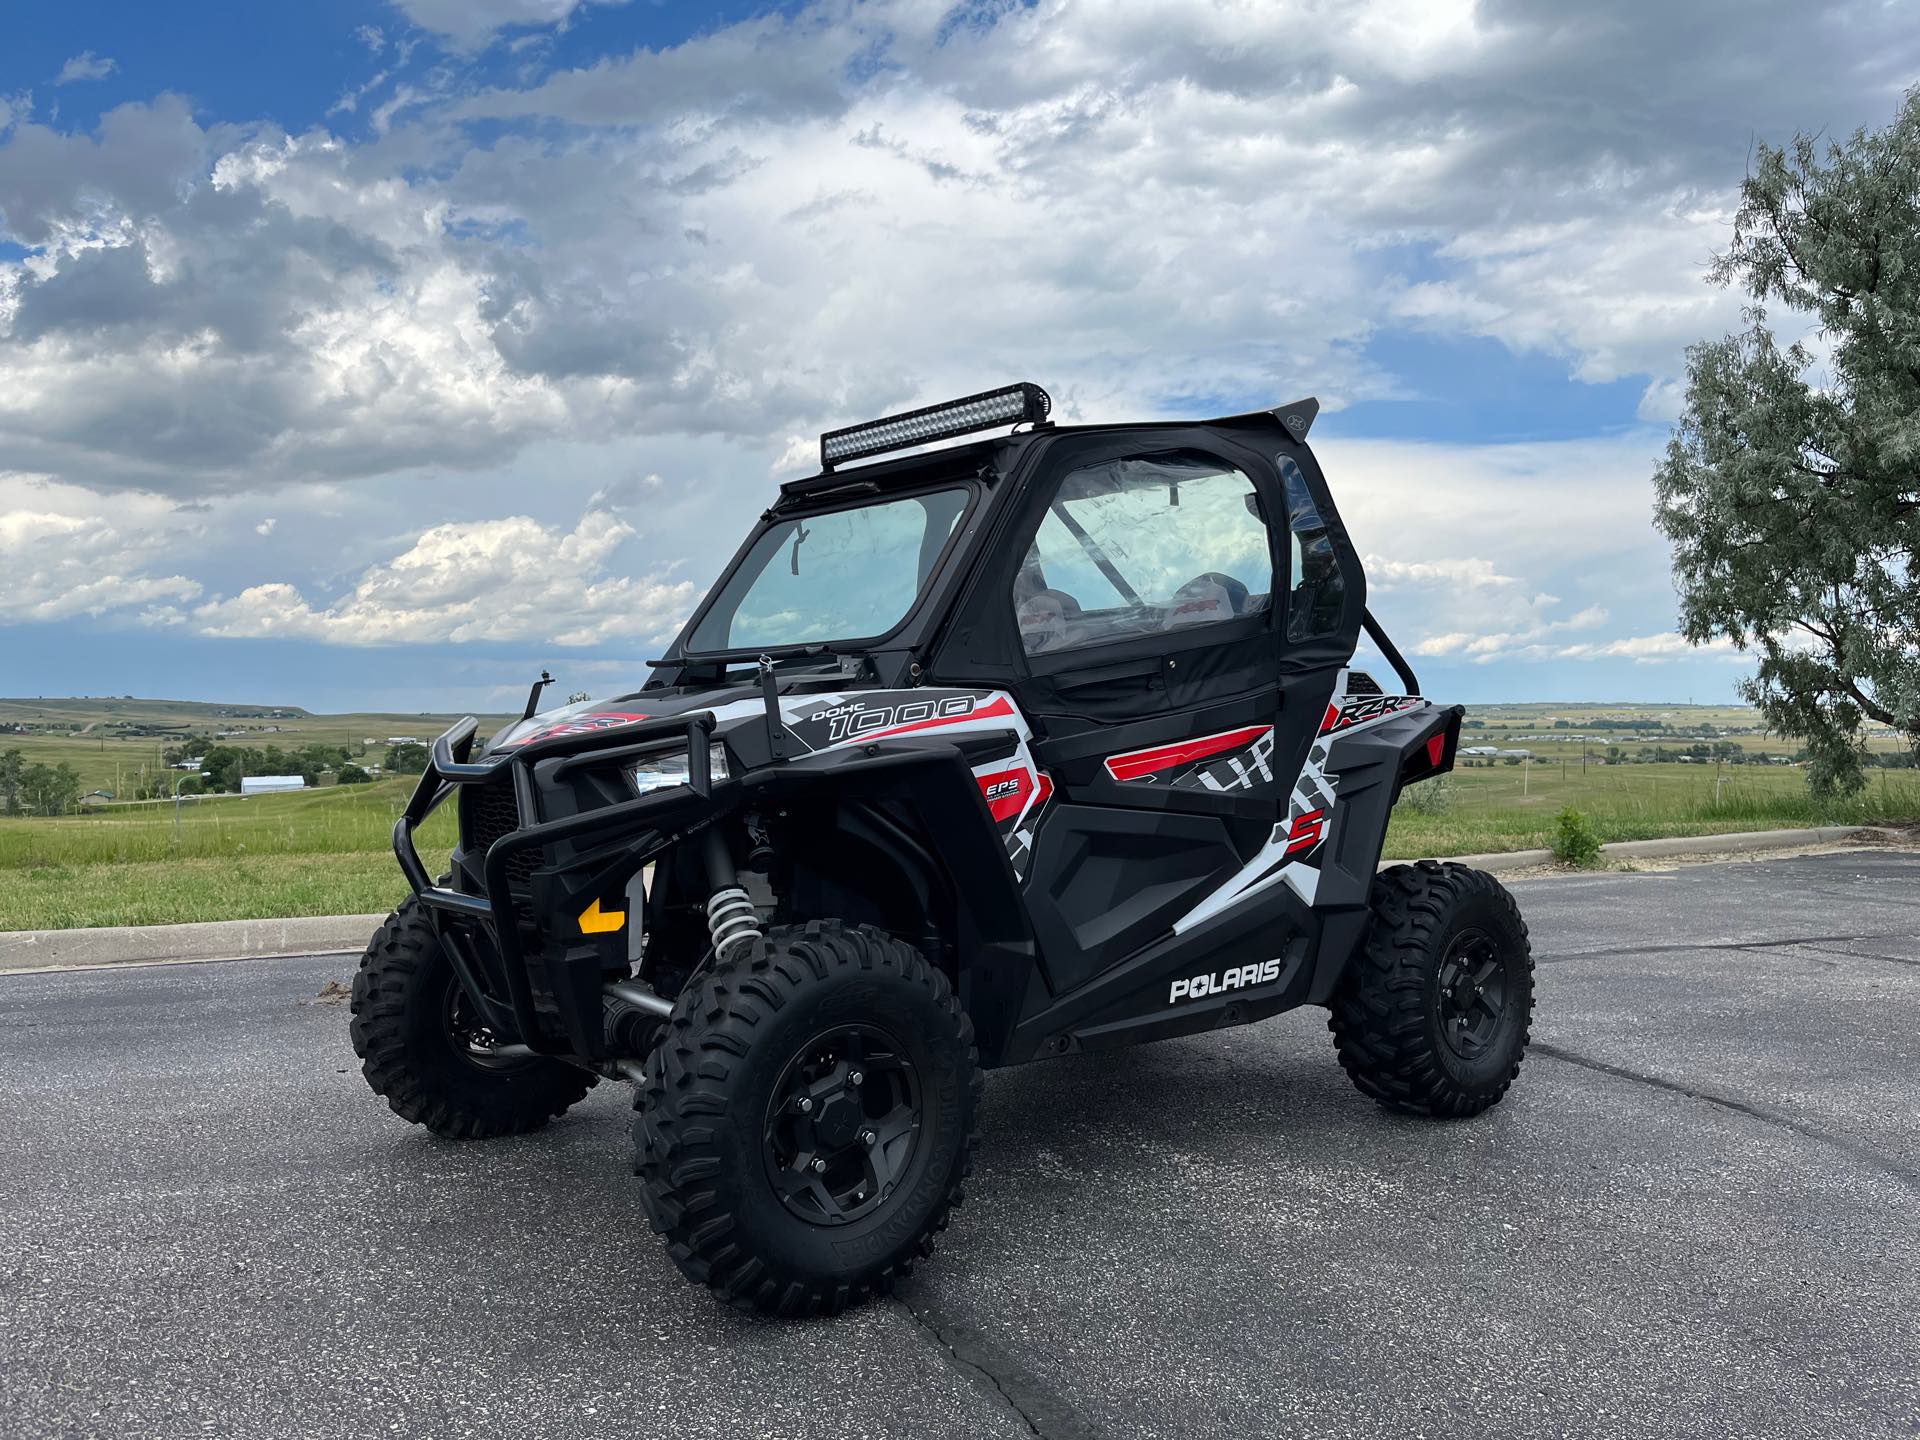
[[129, 707]]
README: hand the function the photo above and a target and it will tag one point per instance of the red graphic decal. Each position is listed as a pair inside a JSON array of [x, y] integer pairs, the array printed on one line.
[[580, 725], [1000, 707], [1135, 763], [1006, 792], [1367, 707], [1436, 747], [1308, 831], [1046, 789]]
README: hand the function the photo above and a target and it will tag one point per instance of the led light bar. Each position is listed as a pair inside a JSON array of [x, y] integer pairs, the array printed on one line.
[[988, 409]]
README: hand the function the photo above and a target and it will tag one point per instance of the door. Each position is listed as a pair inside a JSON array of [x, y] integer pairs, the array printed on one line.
[[1151, 634]]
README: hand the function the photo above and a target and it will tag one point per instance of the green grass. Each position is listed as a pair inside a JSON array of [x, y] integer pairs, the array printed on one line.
[[160, 892], [325, 852], [1510, 807], [338, 820], [316, 852]]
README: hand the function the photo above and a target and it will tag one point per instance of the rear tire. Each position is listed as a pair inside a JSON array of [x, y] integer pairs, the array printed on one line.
[[807, 1120], [1432, 1016], [422, 1049]]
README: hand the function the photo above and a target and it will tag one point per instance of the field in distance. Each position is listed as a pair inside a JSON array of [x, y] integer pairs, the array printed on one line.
[[1551, 728], [325, 851], [113, 742]]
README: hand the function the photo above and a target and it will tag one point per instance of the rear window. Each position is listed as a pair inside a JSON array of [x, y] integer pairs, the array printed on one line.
[[1319, 589]]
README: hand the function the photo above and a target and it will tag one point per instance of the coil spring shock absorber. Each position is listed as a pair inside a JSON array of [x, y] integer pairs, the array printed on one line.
[[732, 920]]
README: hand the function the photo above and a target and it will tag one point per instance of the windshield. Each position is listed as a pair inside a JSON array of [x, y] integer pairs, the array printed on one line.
[[851, 574]]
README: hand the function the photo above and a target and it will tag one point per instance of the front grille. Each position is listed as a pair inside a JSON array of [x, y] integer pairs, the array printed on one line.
[[489, 811]]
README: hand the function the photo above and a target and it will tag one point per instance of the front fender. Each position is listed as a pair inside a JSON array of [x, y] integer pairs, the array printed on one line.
[[933, 780]]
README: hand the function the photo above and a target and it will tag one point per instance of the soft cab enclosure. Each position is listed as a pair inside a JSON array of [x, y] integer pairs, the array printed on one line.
[[1028, 745], [1060, 609]]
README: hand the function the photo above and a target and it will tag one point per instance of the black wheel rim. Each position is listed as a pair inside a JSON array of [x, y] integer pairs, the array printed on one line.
[[1470, 994], [469, 1038], [842, 1124]]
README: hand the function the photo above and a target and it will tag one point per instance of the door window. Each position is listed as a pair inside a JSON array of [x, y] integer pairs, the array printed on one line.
[[1147, 545]]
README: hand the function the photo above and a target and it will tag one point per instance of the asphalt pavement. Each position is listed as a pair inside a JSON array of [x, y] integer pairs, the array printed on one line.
[[1697, 1214]]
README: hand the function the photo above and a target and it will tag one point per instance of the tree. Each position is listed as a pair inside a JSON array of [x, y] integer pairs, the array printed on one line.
[[13, 767], [190, 748], [223, 764], [1791, 487], [352, 775], [50, 789], [408, 759]]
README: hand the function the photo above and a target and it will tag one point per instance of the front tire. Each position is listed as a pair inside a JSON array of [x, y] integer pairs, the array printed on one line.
[[807, 1120], [1432, 1016], [422, 1049]]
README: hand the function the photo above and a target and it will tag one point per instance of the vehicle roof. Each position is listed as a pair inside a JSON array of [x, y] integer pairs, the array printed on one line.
[[1293, 419]]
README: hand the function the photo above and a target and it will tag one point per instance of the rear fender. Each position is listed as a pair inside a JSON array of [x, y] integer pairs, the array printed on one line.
[[1368, 769]]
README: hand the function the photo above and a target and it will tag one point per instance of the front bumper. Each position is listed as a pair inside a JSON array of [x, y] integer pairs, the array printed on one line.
[[618, 837]]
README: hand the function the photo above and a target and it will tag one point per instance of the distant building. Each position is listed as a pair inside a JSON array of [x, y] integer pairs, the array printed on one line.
[[403, 739], [193, 765], [1481, 750], [271, 784]]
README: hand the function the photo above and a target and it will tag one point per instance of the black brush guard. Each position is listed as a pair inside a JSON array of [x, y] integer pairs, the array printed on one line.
[[496, 912]]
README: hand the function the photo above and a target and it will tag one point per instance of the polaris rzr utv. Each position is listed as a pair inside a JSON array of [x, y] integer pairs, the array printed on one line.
[[1029, 746]]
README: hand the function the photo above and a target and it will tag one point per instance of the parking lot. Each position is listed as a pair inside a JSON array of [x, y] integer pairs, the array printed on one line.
[[1698, 1213]]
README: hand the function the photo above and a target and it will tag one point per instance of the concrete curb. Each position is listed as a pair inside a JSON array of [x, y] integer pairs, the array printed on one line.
[[348, 934], [1743, 842], [209, 940]]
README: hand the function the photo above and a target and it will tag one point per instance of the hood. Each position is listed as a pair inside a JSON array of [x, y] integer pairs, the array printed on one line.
[[589, 715]]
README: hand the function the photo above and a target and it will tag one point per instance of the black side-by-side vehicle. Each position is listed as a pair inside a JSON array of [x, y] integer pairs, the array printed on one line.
[[1044, 743]]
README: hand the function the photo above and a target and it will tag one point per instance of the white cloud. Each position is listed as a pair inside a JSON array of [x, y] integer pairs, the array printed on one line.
[[1489, 553], [265, 527], [1384, 574], [59, 561], [85, 66], [472, 24], [488, 580], [1667, 648], [831, 210], [828, 212]]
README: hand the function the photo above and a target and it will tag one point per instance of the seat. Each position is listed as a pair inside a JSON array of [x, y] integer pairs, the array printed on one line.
[[1205, 599], [1045, 619]]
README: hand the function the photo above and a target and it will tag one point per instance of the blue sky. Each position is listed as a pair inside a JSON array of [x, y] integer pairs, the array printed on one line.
[[380, 353]]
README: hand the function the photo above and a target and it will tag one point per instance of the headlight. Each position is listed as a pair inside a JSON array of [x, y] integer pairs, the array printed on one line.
[[657, 772]]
